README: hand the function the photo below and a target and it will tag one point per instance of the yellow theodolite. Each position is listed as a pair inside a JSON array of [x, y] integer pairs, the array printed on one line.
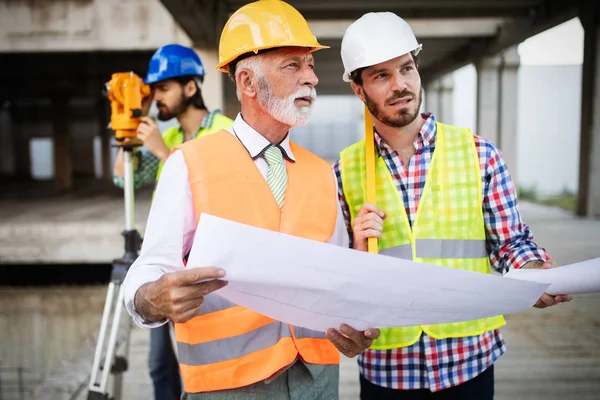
[[126, 92]]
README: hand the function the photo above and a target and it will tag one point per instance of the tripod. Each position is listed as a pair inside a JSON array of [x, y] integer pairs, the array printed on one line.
[[113, 363]]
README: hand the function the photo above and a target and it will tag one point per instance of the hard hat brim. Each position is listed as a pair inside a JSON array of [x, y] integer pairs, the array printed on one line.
[[223, 66]]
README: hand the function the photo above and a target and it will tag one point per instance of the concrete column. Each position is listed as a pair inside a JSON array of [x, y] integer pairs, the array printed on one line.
[[431, 98], [7, 148], [63, 169], [438, 98], [588, 201], [212, 89], [497, 95]]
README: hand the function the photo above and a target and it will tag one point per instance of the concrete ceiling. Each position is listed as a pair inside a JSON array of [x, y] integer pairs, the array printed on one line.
[[454, 33]]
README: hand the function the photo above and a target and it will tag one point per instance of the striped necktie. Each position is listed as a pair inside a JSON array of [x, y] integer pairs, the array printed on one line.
[[276, 175]]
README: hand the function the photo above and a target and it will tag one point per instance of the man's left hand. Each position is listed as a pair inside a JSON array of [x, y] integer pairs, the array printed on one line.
[[547, 300], [351, 342]]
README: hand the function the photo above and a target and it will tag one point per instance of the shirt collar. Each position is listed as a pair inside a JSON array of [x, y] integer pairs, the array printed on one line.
[[206, 123], [208, 119], [425, 137], [256, 143]]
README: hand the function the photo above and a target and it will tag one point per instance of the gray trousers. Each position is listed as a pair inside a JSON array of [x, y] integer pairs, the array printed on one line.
[[299, 382]]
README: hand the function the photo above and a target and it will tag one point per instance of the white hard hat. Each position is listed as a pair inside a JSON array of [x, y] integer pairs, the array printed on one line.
[[375, 38]]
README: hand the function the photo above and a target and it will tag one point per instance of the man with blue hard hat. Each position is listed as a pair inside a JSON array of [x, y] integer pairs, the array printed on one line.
[[176, 75]]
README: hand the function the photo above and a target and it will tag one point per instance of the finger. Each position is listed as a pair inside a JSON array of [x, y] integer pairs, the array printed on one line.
[[188, 293], [563, 298], [367, 208], [357, 337], [147, 120], [211, 286], [370, 224], [187, 304], [192, 276], [372, 333], [550, 264], [358, 221], [369, 233], [343, 344], [186, 315], [547, 300]]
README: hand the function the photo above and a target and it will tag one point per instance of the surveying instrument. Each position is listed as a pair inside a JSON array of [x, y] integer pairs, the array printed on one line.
[[125, 91]]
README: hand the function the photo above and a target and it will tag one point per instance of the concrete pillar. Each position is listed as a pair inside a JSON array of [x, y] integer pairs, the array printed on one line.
[[7, 148], [497, 95], [212, 89], [588, 201], [63, 169], [438, 98]]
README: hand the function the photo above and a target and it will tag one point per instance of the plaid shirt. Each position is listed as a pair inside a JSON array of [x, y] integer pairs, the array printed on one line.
[[439, 364], [148, 163]]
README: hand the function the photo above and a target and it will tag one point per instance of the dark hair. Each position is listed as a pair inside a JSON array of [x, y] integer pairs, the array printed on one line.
[[196, 100], [356, 75]]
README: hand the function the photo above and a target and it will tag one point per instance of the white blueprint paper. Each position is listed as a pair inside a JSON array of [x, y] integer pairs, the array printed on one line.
[[320, 286], [582, 277]]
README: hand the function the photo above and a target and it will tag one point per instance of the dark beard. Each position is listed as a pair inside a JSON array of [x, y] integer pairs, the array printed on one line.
[[177, 110], [404, 117]]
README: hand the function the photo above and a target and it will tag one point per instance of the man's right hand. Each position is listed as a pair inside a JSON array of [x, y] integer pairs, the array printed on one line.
[[368, 223], [149, 133], [177, 296]]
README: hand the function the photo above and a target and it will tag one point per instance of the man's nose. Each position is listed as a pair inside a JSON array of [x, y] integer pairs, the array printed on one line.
[[309, 77], [398, 82]]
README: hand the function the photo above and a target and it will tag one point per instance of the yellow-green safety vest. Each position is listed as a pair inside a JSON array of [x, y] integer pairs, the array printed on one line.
[[174, 136], [448, 229]]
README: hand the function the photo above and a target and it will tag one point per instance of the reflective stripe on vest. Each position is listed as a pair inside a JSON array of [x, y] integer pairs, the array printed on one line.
[[439, 248], [450, 208], [232, 347], [229, 346]]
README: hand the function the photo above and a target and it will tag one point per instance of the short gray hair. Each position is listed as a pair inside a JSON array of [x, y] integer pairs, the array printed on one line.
[[254, 64]]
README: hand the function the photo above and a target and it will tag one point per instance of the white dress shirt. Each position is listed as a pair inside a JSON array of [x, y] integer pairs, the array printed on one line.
[[172, 221]]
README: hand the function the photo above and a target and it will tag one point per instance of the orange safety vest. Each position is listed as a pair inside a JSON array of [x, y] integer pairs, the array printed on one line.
[[229, 346]]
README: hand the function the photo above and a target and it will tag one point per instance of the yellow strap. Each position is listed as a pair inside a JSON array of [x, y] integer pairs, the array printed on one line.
[[370, 166]]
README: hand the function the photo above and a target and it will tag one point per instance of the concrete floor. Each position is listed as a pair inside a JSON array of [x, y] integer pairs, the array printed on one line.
[[552, 354]]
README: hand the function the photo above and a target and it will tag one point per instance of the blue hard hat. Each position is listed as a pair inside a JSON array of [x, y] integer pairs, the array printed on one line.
[[171, 61]]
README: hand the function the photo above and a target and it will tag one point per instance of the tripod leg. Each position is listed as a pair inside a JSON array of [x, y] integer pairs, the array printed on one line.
[[112, 341], [108, 305], [121, 362]]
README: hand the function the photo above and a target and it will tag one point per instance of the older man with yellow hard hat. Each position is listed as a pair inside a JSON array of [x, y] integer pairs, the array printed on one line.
[[251, 173]]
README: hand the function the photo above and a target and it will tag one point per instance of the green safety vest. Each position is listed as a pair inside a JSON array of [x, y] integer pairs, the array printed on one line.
[[448, 229]]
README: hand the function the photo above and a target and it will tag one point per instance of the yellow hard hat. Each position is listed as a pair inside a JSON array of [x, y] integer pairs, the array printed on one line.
[[263, 24]]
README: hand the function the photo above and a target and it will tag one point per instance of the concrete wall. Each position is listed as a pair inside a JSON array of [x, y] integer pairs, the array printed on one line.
[[42, 327], [86, 25]]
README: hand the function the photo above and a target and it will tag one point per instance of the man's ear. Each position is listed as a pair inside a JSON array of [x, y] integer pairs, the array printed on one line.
[[246, 82], [358, 90], [190, 89]]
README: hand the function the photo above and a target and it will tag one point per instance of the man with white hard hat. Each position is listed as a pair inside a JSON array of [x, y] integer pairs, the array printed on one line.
[[443, 196]]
